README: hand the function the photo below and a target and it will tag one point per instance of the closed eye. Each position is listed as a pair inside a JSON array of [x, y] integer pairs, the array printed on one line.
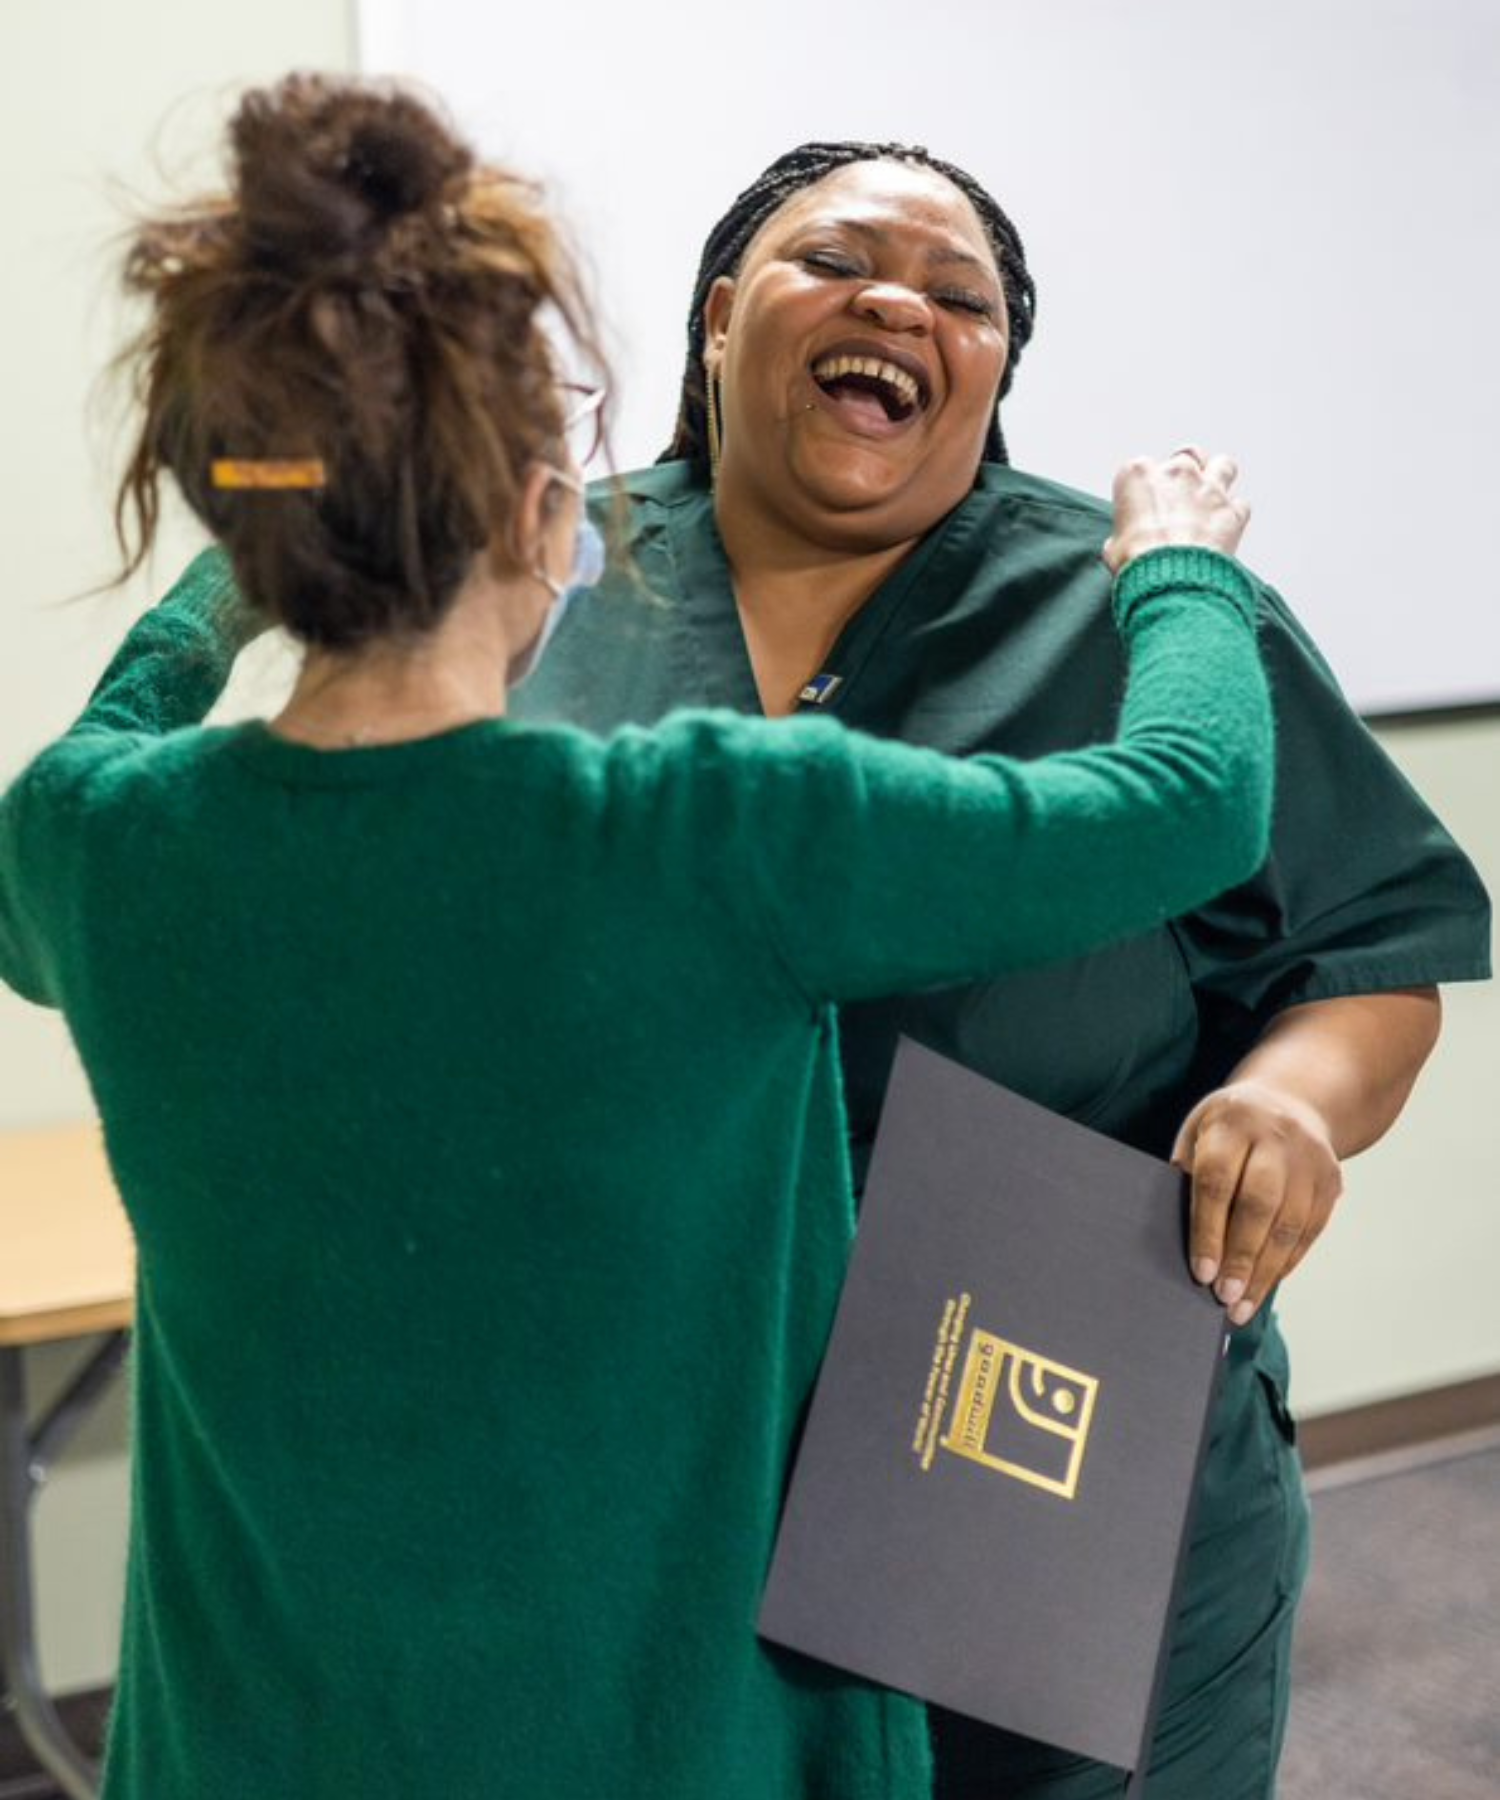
[[830, 262], [967, 300]]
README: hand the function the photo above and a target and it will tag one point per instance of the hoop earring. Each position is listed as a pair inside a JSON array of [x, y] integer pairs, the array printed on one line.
[[715, 434]]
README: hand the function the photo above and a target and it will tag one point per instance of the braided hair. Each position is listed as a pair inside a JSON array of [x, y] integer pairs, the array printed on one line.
[[767, 194]]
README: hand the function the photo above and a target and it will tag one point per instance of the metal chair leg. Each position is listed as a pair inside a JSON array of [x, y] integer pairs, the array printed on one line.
[[22, 1468]]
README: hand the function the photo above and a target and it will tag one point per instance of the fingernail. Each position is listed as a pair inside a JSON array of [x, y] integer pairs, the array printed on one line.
[[1241, 1314], [1204, 1270], [1231, 1290]]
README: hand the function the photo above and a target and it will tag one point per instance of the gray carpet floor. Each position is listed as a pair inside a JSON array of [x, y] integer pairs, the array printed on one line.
[[1396, 1682]]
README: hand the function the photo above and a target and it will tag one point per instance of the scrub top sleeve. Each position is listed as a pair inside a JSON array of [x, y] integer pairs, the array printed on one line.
[[879, 868], [1363, 890]]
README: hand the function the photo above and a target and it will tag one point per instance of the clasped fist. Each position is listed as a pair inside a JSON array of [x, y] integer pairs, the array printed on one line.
[[1184, 499]]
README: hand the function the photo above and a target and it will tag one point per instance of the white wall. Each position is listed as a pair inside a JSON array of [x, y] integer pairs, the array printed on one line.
[[1268, 227], [1399, 1297]]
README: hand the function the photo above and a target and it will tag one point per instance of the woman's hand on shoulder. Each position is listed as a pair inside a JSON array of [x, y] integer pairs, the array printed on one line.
[[1266, 1178], [1185, 498]]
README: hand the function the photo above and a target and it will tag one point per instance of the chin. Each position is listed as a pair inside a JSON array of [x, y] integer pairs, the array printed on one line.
[[856, 526], [854, 475], [867, 497]]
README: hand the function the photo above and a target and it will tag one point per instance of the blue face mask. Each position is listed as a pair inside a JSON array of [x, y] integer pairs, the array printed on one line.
[[588, 567]]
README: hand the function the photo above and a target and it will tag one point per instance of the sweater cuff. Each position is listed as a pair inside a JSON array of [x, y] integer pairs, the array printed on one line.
[[1176, 567]]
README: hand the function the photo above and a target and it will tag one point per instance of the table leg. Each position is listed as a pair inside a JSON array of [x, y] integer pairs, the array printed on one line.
[[20, 1676]]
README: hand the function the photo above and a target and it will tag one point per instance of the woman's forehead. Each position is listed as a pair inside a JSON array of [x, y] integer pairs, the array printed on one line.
[[885, 196]]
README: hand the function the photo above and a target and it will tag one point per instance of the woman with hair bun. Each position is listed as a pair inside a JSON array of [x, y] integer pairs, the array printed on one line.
[[471, 1085]]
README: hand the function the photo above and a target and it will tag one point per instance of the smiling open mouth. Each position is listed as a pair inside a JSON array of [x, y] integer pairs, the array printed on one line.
[[867, 378]]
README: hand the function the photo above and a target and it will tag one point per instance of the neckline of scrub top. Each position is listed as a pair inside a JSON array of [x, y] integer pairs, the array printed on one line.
[[710, 641], [711, 638]]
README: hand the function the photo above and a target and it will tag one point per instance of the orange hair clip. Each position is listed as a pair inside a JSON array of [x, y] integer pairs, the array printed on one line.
[[268, 472]]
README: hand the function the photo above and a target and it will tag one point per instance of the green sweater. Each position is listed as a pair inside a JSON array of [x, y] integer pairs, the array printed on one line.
[[476, 1105]]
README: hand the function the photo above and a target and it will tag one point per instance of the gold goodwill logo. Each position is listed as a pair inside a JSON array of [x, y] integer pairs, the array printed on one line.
[[1016, 1412]]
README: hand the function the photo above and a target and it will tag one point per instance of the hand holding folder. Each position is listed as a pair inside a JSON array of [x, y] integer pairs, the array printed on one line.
[[993, 1493]]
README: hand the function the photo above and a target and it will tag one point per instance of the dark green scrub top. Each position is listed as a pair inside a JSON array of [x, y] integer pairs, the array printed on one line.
[[995, 634]]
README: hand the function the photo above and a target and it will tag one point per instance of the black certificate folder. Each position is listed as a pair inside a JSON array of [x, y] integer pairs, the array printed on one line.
[[991, 1498]]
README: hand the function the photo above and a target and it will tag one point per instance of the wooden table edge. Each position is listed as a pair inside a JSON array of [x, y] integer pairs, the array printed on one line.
[[18, 1330]]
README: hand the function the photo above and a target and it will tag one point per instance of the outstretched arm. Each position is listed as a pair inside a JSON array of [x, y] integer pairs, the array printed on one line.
[[880, 868], [1325, 1080]]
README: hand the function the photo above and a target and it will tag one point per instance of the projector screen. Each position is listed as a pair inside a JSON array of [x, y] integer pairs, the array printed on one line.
[[1272, 229]]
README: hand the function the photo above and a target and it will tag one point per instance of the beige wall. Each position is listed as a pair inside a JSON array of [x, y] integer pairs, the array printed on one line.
[[1399, 1296]]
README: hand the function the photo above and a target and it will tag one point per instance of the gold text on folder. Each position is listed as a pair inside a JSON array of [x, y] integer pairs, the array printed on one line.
[[1022, 1414]]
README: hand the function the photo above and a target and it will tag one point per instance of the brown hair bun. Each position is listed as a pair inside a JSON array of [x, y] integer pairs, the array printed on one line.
[[322, 175], [369, 300]]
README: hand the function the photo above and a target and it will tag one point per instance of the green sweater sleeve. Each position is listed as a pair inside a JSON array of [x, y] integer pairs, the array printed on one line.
[[167, 674], [880, 868], [176, 659]]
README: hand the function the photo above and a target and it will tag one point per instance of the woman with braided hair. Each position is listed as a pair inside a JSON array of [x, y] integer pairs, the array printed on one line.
[[471, 1085], [839, 532]]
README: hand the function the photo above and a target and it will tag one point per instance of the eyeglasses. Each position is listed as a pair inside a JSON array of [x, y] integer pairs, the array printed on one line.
[[583, 420]]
